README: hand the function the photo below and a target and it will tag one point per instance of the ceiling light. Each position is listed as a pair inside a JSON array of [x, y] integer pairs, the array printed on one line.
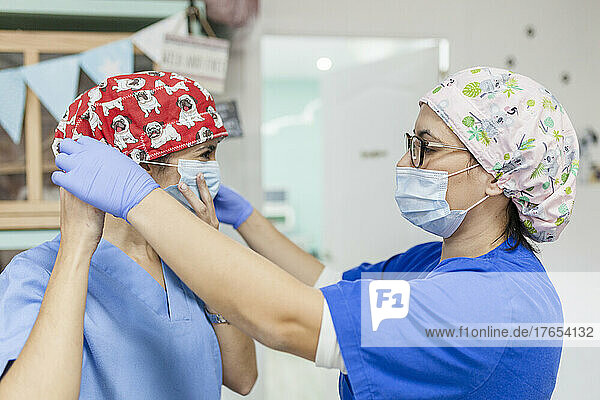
[[324, 64]]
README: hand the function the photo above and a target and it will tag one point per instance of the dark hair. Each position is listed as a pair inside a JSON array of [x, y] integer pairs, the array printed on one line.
[[514, 228], [164, 159]]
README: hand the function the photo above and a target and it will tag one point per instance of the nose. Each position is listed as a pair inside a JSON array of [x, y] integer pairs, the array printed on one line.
[[405, 160]]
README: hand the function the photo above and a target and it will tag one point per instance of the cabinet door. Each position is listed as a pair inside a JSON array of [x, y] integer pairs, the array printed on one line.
[[12, 153], [366, 111]]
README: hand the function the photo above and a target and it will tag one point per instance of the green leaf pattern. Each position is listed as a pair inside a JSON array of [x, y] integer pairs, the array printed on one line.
[[528, 144], [547, 103], [537, 171], [511, 86], [472, 89]]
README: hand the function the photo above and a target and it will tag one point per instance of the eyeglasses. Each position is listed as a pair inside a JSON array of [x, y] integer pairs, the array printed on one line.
[[418, 146]]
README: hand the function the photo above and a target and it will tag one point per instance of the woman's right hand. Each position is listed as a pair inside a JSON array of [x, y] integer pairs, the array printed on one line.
[[203, 206]]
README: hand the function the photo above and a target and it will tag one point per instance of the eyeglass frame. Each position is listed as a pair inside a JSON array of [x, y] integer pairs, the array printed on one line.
[[424, 144]]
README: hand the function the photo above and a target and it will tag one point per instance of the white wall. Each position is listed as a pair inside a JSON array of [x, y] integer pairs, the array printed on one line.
[[479, 32], [240, 157], [485, 33]]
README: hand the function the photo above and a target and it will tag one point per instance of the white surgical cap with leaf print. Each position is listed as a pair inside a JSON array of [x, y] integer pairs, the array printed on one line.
[[520, 133]]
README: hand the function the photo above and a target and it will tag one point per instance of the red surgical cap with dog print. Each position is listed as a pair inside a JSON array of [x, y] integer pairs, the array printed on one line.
[[146, 115]]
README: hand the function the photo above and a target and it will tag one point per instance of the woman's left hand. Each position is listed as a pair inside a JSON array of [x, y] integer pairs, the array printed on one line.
[[203, 206], [101, 175], [81, 224]]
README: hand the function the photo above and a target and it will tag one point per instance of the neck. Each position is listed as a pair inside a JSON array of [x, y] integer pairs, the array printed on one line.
[[122, 235], [477, 234]]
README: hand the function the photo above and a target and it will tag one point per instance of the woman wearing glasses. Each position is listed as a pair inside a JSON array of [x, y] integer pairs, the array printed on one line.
[[491, 165]]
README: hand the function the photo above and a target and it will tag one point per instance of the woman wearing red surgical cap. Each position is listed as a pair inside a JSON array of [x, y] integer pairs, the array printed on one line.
[[96, 313], [491, 165]]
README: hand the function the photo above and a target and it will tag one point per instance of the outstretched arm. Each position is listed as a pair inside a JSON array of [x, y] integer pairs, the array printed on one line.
[[238, 354], [250, 291], [49, 366], [262, 237]]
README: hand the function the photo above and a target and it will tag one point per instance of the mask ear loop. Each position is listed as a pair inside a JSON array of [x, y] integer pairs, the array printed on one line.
[[479, 202], [486, 196], [466, 169], [463, 170], [159, 163]]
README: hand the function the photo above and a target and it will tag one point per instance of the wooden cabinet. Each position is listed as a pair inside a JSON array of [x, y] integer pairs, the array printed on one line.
[[28, 199]]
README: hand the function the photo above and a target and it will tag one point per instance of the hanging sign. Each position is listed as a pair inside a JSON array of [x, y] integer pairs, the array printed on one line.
[[200, 58], [229, 115]]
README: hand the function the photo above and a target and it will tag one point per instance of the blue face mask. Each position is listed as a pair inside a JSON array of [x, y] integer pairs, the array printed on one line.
[[188, 170], [421, 198]]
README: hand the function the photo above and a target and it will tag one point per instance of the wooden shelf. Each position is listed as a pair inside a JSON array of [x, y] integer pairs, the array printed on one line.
[[56, 42], [19, 168], [29, 215]]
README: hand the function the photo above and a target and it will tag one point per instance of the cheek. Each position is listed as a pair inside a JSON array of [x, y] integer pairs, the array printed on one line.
[[405, 160], [464, 190], [455, 194], [442, 160], [167, 177]]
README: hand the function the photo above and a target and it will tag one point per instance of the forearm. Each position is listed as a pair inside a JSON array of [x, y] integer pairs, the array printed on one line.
[[238, 357], [49, 365], [266, 240], [254, 294]]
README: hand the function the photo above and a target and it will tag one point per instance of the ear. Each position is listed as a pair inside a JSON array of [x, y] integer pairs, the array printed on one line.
[[146, 167], [153, 170], [492, 188]]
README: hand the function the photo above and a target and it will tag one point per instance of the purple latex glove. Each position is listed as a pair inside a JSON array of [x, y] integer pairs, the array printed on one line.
[[101, 176], [231, 208]]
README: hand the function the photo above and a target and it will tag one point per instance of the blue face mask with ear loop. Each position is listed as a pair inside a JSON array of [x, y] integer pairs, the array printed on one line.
[[421, 198], [188, 170]]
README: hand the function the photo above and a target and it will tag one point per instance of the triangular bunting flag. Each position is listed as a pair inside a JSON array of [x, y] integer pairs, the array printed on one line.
[[111, 59], [150, 39], [54, 82], [12, 102]]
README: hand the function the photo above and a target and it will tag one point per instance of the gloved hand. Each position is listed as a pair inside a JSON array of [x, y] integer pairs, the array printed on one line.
[[101, 176], [231, 208]]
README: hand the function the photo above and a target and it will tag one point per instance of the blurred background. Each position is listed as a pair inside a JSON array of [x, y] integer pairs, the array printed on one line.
[[319, 95]]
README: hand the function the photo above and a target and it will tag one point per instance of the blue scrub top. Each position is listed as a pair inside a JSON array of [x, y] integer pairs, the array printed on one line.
[[140, 342], [469, 373]]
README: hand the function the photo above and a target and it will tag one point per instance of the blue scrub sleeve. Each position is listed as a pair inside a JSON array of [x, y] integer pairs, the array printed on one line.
[[381, 366], [22, 287]]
